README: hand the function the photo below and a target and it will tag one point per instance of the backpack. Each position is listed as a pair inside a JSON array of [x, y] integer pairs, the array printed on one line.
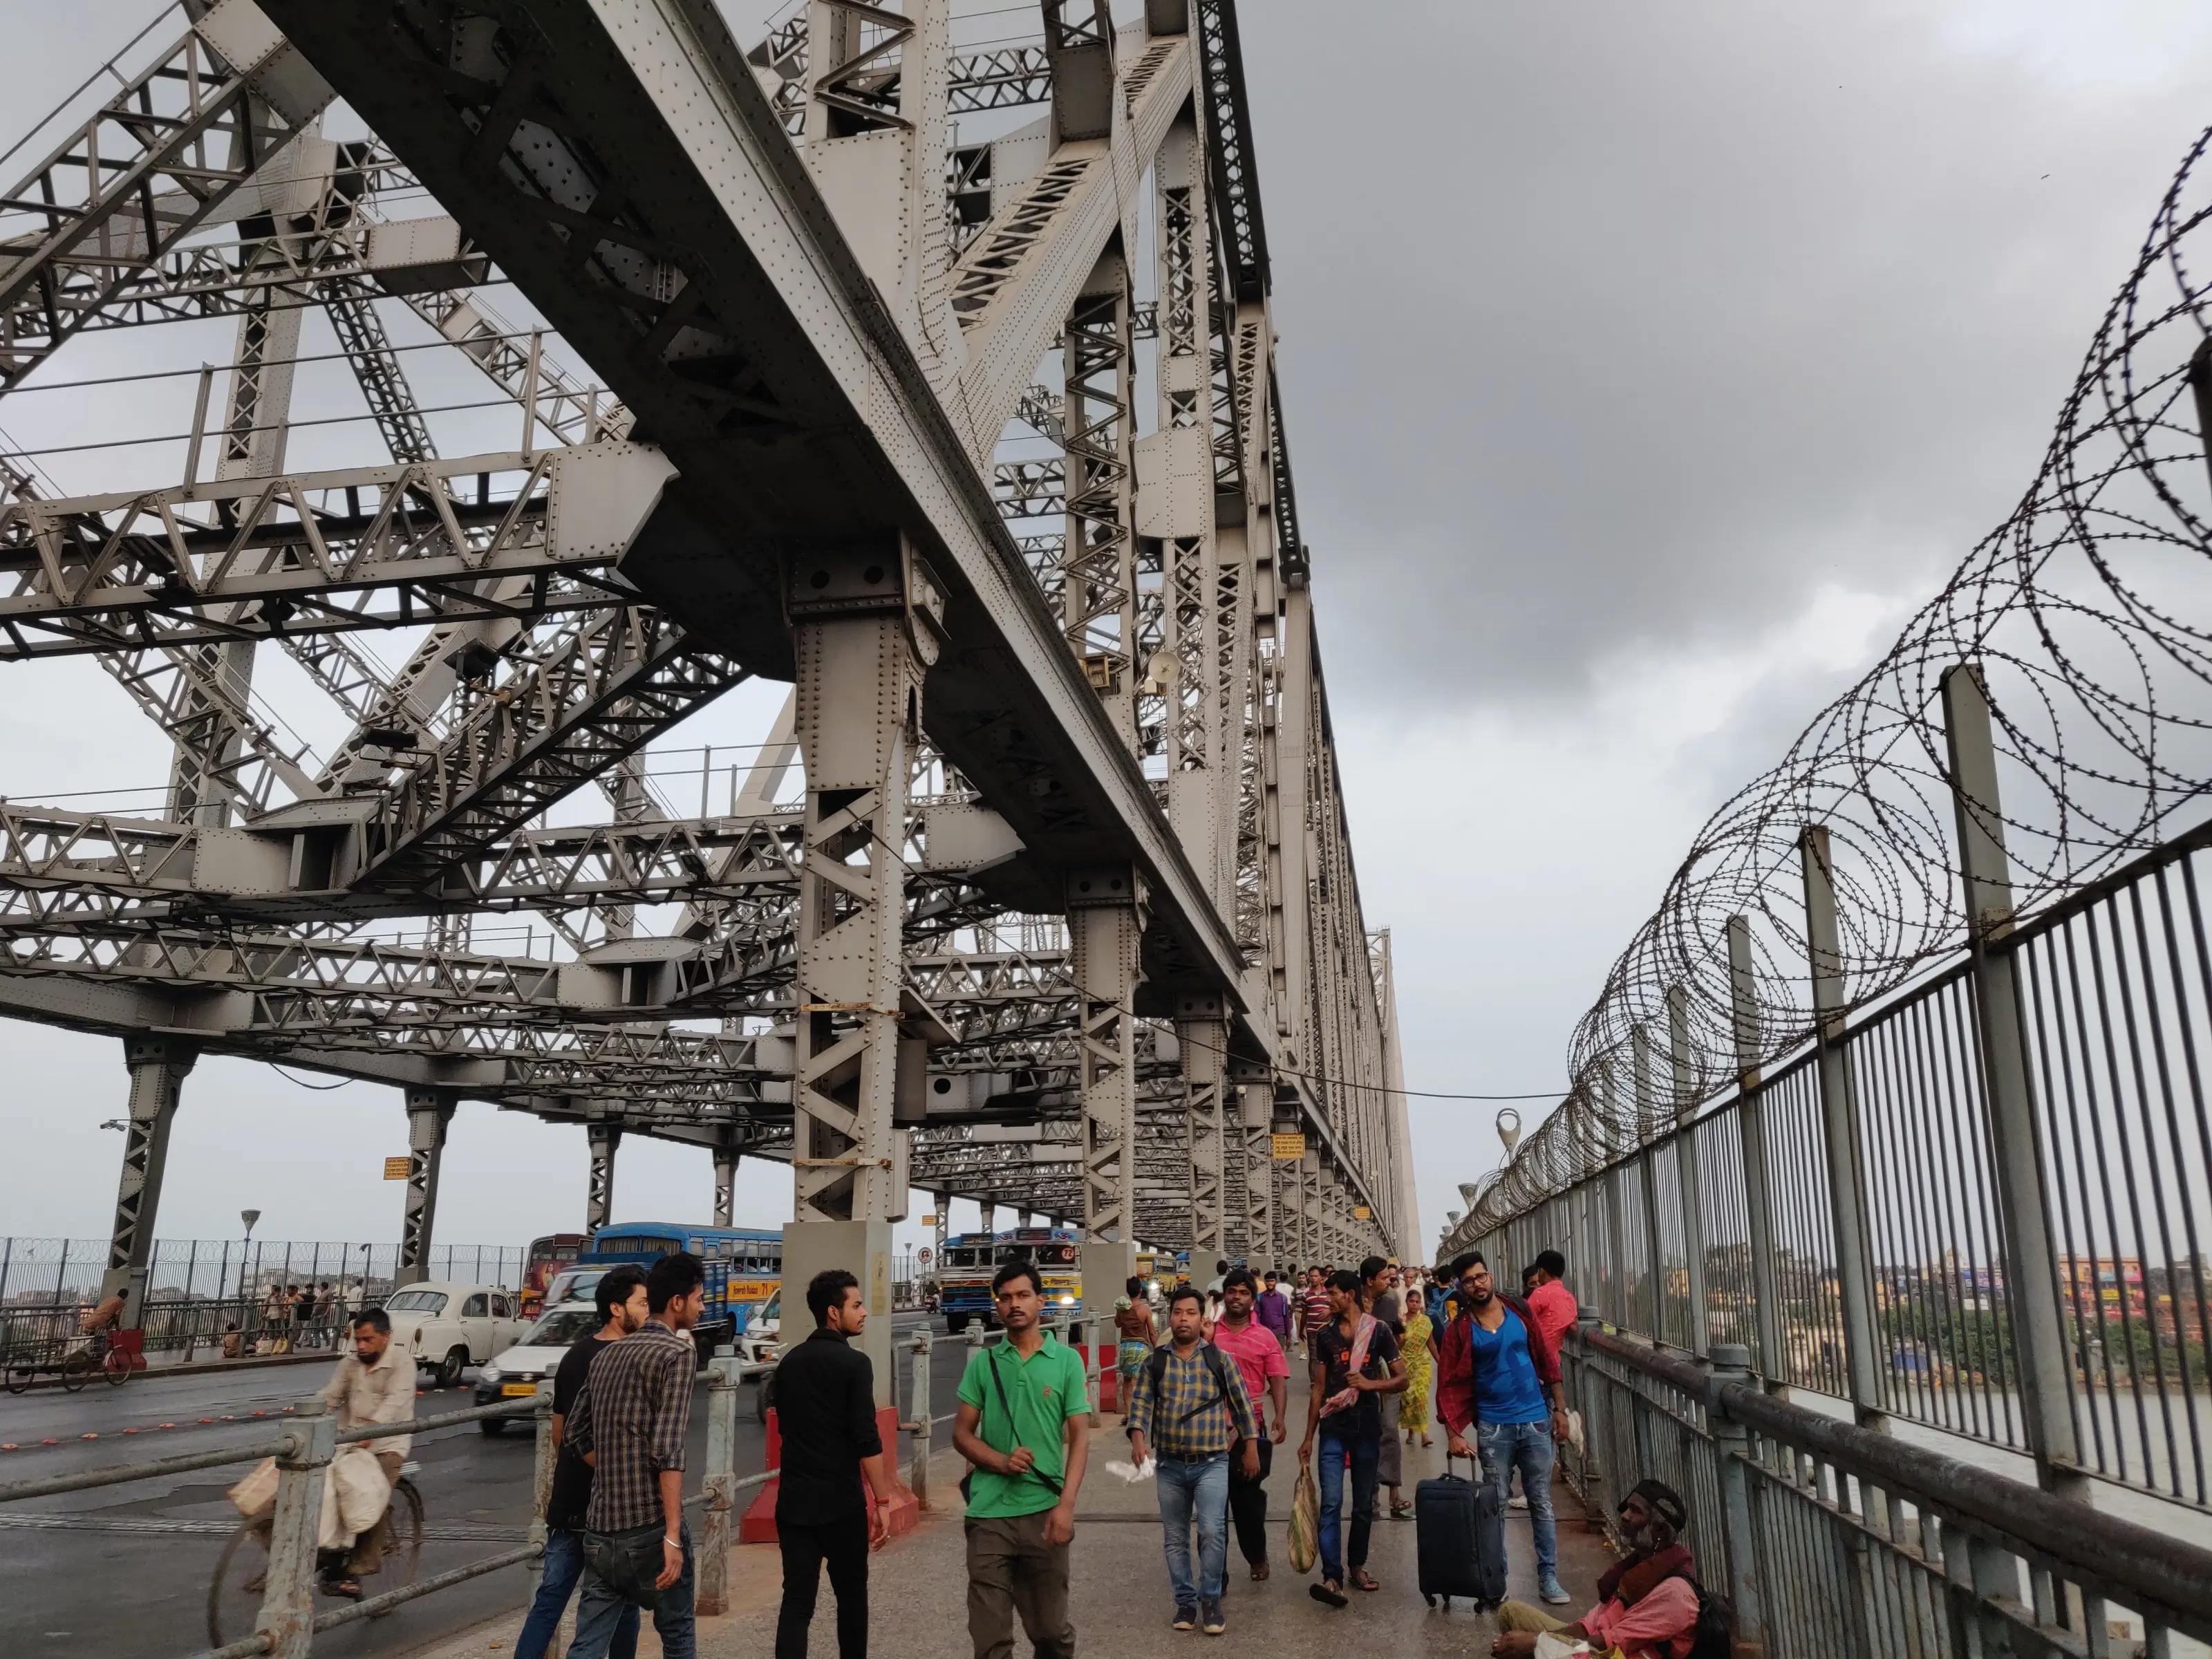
[[1156, 1367], [1713, 1636]]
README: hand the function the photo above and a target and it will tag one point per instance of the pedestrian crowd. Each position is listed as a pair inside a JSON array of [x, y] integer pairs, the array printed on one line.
[[1202, 1383]]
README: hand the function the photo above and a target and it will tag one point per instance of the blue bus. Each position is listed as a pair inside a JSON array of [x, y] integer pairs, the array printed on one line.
[[745, 1266], [964, 1279]]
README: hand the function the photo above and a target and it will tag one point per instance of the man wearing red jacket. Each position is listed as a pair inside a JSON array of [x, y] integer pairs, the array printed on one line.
[[1498, 1369]]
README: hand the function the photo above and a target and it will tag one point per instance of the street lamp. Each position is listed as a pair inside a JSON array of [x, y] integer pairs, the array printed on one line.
[[244, 1255], [1509, 1130]]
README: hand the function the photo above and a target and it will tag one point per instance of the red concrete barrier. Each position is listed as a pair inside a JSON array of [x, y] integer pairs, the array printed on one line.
[[759, 1524]]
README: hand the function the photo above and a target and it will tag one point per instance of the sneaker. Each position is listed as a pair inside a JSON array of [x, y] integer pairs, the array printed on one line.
[[1517, 1502], [1211, 1620], [1186, 1616], [1553, 1591]]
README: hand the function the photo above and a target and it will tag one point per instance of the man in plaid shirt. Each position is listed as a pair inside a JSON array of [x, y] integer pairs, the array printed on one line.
[[1191, 1403], [628, 1424]]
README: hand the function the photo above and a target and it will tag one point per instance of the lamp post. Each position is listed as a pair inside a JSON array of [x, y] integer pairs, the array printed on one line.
[[245, 1268]]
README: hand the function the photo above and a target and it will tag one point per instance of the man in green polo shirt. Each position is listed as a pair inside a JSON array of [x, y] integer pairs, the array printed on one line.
[[1024, 1424]]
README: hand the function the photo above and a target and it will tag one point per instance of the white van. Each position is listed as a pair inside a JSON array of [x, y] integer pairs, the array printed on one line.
[[447, 1326]]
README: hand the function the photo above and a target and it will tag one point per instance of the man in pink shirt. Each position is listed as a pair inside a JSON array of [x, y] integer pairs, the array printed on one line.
[[1647, 1603], [1547, 1296], [1260, 1361]]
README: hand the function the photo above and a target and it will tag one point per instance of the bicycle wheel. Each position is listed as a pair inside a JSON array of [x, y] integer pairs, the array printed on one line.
[[116, 1368], [19, 1378], [403, 1540], [77, 1371], [234, 1600]]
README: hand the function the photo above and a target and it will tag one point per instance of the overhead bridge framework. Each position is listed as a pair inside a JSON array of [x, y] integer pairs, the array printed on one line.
[[1040, 890]]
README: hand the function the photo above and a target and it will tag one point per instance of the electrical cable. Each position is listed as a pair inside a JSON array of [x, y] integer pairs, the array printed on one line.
[[319, 1088]]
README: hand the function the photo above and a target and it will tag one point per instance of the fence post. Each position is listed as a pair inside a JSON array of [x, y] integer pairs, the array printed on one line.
[[1751, 1131], [1731, 1450], [1685, 1165], [1655, 1297], [544, 1454], [917, 1478], [721, 1473], [2016, 1163], [287, 1604], [1840, 1130]]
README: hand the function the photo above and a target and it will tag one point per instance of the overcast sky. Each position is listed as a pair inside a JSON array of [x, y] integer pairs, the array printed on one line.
[[1644, 365]]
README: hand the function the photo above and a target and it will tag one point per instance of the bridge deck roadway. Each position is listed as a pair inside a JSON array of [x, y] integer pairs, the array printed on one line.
[[1120, 1599]]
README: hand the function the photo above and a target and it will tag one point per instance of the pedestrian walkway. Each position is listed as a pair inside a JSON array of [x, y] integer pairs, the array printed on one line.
[[1119, 1594]]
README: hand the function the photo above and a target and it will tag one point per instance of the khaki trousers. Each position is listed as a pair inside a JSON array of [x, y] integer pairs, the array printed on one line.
[[1519, 1615], [1011, 1569]]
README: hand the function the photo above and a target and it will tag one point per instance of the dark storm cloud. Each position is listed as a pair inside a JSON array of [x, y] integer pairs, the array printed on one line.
[[1609, 323]]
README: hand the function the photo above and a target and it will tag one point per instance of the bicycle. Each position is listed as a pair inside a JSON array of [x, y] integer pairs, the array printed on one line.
[[98, 1356], [234, 1597], [82, 1359]]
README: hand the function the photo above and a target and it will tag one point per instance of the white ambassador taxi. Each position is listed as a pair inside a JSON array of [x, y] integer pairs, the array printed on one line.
[[515, 1373], [449, 1326]]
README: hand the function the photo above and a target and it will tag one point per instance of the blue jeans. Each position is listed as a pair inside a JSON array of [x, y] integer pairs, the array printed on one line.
[[1526, 1447], [564, 1566], [1200, 1488], [1359, 1453], [605, 1608]]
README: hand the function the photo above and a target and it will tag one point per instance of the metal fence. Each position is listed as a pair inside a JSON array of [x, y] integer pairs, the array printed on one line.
[[1831, 1540], [201, 1291], [2026, 1265]]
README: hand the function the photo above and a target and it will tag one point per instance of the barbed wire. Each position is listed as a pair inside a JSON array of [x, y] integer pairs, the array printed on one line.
[[2089, 611]]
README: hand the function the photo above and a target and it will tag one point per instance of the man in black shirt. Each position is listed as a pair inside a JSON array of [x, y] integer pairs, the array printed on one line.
[[825, 1402], [622, 1304]]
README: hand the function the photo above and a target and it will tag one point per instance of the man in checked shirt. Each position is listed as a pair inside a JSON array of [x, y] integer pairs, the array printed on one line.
[[628, 1424], [1190, 1403]]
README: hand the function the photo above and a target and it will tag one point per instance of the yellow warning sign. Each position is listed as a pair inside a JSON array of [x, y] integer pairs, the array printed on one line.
[[1289, 1147], [395, 1169], [1361, 1212]]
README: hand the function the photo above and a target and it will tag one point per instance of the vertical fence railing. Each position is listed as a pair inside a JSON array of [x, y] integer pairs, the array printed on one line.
[[1984, 1206]]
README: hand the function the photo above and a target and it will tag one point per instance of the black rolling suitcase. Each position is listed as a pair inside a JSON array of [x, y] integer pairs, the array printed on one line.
[[1459, 1529]]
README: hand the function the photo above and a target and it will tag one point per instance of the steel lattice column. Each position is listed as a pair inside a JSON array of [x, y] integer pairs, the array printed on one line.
[[605, 1140], [725, 1184], [867, 620], [1106, 915], [157, 1068], [1256, 1115], [1202, 1036], [1098, 567], [430, 1113]]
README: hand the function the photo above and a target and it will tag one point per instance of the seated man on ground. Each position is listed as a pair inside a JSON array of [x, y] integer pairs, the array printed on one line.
[[1647, 1605]]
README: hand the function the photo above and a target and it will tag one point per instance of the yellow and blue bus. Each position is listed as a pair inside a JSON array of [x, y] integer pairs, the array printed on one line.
[[963, 1279], [745, 1266]]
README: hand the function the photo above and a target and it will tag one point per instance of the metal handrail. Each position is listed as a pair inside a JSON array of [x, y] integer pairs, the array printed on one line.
[[2161, 1576]]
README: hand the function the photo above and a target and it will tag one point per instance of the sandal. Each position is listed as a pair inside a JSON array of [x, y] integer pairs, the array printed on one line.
[[1402, 1511], [1328, 1591], [348, 1588], [1361, 1577]]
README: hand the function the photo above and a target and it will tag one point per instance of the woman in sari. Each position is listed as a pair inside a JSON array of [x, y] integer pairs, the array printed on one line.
[[1420, 1369]]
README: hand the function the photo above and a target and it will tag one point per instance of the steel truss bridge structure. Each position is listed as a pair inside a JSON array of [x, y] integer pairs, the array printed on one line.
[[814, 388]]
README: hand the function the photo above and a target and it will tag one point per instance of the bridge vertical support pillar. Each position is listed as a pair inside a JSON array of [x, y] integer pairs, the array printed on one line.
[[867, 620], [1839, 1124], [2017, 1169], [725, 1183], [157, 1067], [1202, 1038], [429, 1114], [1751, 1128], [1255, 1113], [1099, 615], [605, 1141], [1106, 916], [1731, 1448]]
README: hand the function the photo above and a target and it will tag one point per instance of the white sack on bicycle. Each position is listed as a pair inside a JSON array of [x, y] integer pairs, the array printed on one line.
[[355, 1493]]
